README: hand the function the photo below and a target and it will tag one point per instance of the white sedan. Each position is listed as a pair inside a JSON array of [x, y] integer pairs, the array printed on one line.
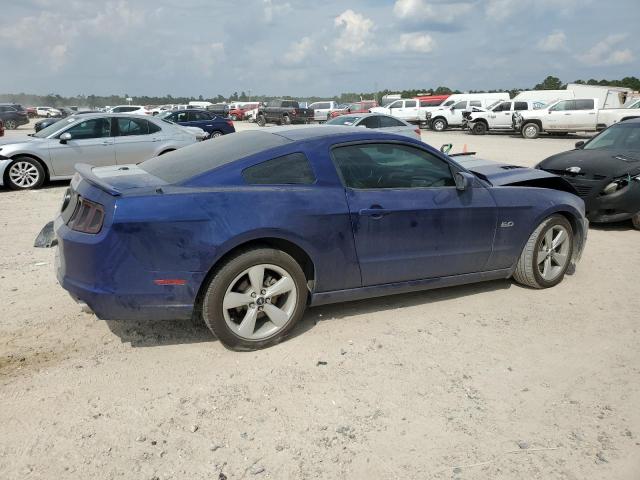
[[99, 139], [384, 123]]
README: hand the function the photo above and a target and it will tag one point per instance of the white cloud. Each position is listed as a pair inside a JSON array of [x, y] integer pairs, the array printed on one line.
[[423, 11], [605, 53], [355, 35], [554, 42], [208, 56], [416, 42], [273, 10], [503, 9], [298, 52]]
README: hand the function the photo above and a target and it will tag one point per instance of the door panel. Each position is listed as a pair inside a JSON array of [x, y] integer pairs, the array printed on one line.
[[135, 144], [412, 233], [91, 142]]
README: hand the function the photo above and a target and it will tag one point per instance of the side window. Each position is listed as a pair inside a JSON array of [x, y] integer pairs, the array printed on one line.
[[288, 169], [390, 122], [563, 105], [182, 117], [448, 103], [475, 103], [153, 128], [586, 104], [396, 104], [410, 104], [460, 105], [371, 122], [538, 105], [520, 106], [133, 126], [391, 166], [94, 128]]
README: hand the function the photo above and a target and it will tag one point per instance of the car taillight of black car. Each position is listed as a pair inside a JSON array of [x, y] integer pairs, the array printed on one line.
[[88, 216]]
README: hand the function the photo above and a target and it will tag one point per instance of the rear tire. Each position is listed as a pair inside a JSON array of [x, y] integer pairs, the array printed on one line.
[[260, 120], [255, 299], [635, 220], [216, 134], [530, 131], [439, 124], [286, 120], [541, 264], [10, 124], [24, 173]]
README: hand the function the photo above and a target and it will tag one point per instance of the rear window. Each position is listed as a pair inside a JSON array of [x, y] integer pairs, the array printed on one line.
[[430, 103], [188, 162], [292, 169]]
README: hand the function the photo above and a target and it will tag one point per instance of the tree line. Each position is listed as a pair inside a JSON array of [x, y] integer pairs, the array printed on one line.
[[97, 101]]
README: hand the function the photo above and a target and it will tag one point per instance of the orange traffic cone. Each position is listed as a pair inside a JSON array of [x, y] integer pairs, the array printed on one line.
[[464, 149]]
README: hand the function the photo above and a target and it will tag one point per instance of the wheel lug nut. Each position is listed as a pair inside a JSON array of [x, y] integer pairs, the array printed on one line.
[[268, 300], [252, 305], [262, 292], [253, 294], [260, 308]]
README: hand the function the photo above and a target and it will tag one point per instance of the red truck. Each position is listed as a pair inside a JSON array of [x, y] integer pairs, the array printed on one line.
[[238, 112], [355, 107]]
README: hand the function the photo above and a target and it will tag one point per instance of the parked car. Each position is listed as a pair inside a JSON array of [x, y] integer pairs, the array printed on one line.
[[447, 117], [97, 139], [355, 107], [31, 112], [238, 113], [48, 112], [45, 122], [13, 115], [497, 117], [605, 172], [131, 109], [383, 123], [215, 126], [246, 231], [283, 112], [568, 116], [219, 109], [322, 110]]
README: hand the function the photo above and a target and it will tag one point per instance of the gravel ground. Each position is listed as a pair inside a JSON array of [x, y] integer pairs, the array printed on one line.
[[481, 381]]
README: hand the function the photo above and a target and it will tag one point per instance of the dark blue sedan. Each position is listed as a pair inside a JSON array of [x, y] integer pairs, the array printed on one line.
[[246, 231], [210, 123]]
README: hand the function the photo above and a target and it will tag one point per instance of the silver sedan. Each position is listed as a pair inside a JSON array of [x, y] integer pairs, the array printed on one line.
[[98, 139], [384, 123]]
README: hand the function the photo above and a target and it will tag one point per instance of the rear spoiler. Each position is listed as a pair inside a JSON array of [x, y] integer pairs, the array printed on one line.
[[86, 171]]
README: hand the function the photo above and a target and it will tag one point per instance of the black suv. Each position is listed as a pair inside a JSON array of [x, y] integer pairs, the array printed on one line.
[[13, 115]]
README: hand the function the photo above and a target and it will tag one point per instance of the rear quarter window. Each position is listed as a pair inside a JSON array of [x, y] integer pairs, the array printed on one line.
[[292, 169]]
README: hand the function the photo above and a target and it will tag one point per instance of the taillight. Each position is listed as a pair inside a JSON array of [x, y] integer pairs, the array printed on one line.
[[88, 217], [417, 130], [230, 123]]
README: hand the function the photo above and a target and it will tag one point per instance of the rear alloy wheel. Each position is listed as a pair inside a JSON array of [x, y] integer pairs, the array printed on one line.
[[530, 131], [25, 173], [439, 124], [10, 124], [479, 128], [255, 299], [261, 121], [286, 120], [635, 220], [547, 254], [216, 134]]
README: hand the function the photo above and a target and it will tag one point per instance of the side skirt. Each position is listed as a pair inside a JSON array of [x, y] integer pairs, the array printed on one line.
[[351, 294]]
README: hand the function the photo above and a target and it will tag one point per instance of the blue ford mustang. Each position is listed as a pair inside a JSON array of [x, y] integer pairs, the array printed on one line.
[[246, 231]]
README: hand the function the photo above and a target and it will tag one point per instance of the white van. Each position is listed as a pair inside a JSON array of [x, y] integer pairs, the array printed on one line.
[[450, 114]]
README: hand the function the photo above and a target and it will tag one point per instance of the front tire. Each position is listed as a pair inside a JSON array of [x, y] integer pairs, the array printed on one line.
[[547, 254], [261, 121], [10, 124], [25, 173], [255, 299], [439, 125], [479, 128], [234, 117], [530, 131], [286, 120]]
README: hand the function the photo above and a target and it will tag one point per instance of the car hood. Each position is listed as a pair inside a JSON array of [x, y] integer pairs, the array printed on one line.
[[19, 139], [612, 163], [500, 174]]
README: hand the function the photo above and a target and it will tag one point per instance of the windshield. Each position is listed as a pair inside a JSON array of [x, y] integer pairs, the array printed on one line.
[[164, 114], [344, 120], [45, 132], [621, 136]]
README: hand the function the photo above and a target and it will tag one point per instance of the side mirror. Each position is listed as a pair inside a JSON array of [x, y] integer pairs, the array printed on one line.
[[446, 148], [463, 180], [65, 137], [580, 144]]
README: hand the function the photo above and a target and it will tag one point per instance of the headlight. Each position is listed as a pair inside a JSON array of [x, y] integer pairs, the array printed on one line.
[[619, 184]]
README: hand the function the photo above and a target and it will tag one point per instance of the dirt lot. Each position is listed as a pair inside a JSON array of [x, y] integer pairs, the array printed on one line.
[[489, 381]]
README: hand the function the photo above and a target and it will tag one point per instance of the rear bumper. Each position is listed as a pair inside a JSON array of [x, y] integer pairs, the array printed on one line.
[[113, 284]]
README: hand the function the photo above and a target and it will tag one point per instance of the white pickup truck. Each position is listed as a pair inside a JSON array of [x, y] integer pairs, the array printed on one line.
[[497, 117], [567, 116], [407, 109], [446, 117]]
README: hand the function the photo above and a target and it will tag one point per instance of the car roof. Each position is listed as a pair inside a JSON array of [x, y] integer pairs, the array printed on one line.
[[313, 132]]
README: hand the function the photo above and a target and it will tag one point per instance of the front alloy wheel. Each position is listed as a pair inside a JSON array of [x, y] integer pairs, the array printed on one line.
[[439, 124], [255, 299], [10, 124], [25, 173]]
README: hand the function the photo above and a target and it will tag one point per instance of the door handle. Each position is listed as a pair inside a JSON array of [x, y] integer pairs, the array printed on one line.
[[156, 139], [567, 114], [106, 143], [375, 212]]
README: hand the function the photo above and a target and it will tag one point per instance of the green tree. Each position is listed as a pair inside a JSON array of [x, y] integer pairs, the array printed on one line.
[[550, 83]]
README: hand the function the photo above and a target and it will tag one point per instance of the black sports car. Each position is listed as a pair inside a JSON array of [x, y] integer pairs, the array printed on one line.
[[605, 171], [44, 123]]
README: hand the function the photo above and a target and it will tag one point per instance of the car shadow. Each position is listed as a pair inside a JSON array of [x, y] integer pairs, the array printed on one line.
[[155, 333], [612, 227], [47, 186]]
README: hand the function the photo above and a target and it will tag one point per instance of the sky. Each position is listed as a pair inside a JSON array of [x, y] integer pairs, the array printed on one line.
[[304, 48]]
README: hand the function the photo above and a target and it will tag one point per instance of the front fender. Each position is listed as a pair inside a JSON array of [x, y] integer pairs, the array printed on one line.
[[4, 164]]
